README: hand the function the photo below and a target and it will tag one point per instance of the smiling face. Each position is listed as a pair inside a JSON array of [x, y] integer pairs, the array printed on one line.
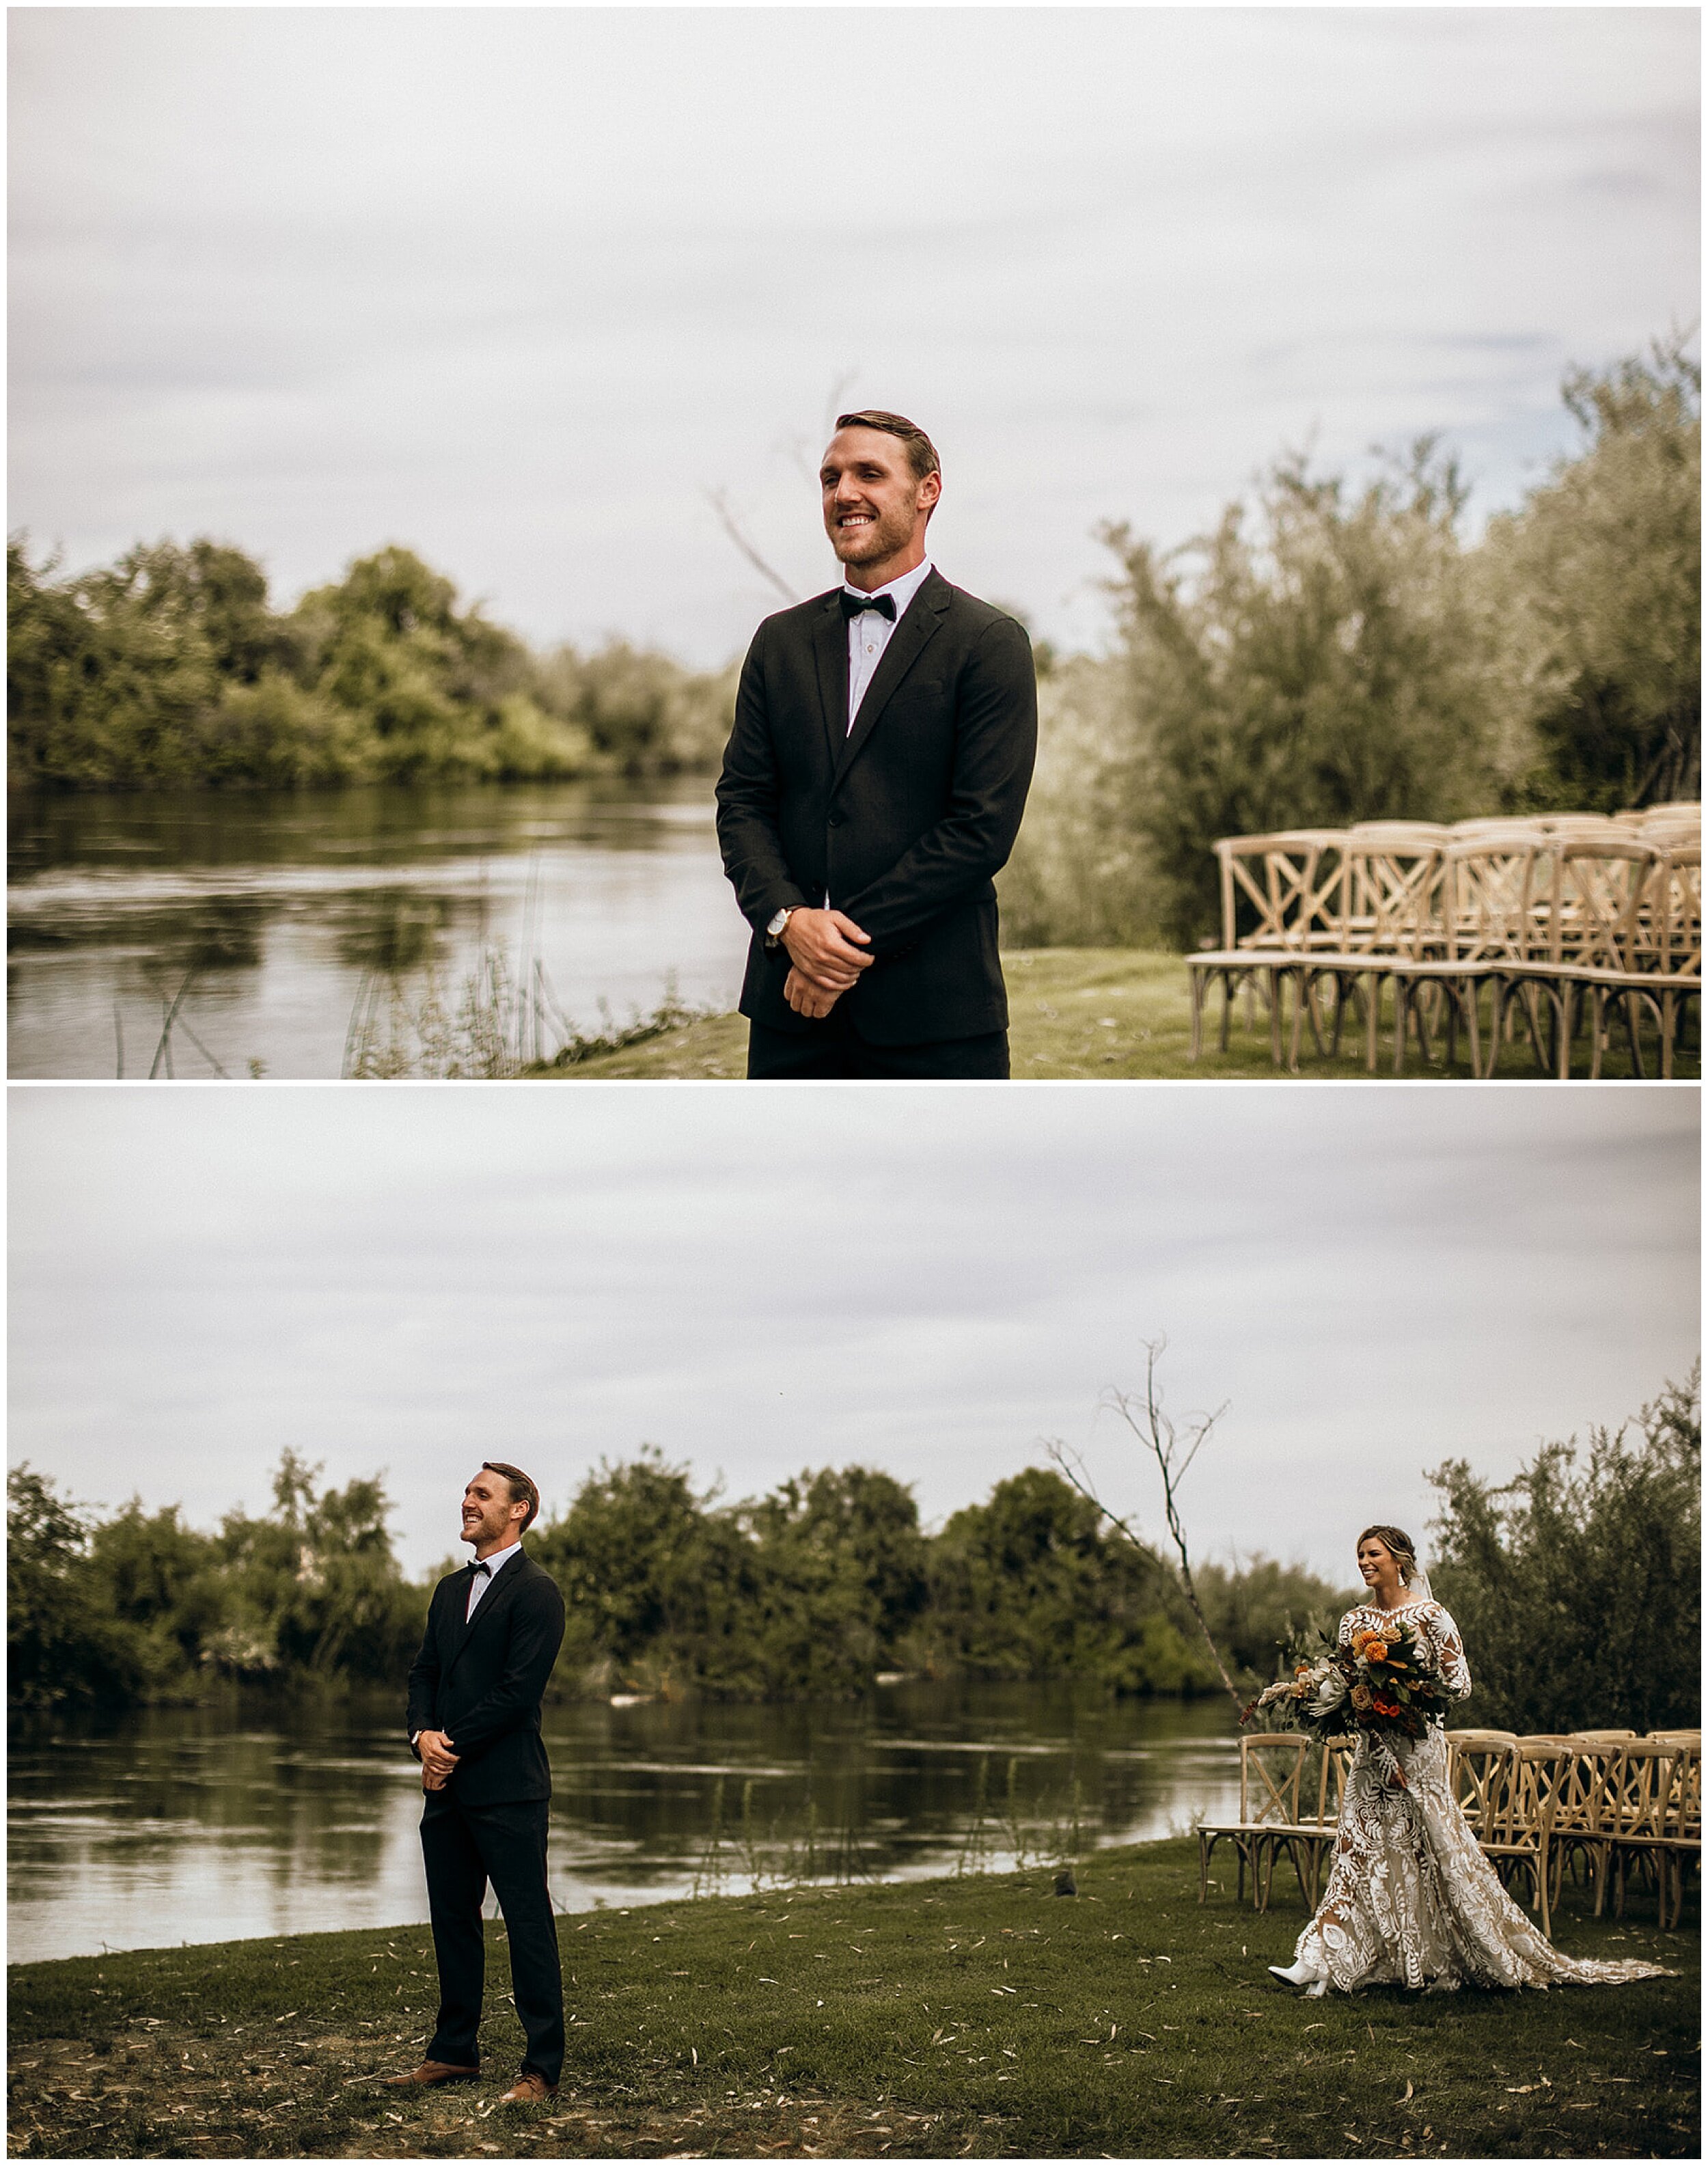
[[875, 506], [1378, 1566], [490, 1520]]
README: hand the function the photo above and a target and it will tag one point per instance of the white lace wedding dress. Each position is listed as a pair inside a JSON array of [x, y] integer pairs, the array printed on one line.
[[1411, 1901]]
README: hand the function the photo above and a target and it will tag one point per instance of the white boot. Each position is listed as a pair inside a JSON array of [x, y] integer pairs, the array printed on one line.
[[1316, 1988], [1298, 1975]]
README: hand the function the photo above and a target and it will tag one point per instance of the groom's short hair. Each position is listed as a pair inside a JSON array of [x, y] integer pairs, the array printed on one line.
[[921, 452], [522, 1490]]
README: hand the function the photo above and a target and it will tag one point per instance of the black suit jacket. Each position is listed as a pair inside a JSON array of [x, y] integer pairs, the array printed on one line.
[[903, 823], [481, 1681]]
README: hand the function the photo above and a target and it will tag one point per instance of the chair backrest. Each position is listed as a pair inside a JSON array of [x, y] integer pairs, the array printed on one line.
[[1639, 1780], [1580, 1797], [1494, 887], [1589, 825], [1271, 1765], [1682, 1817], [1600, 889], [1534, 1797], [1676, 1736], [1390, 890], [1286, 885], [1457, 1737], [1482, 1775], [1603, 1736], [1673, 916], [1497, 823]]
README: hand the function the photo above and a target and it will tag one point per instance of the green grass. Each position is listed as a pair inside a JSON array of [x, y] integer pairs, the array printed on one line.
[[982, 2016], [1106, 1012]]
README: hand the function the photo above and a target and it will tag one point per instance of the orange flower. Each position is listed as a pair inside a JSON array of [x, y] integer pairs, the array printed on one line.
[[1384, 1706], [1369, 1647]]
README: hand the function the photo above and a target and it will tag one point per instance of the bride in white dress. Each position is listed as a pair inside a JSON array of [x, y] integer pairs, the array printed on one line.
[[1411, 1901]]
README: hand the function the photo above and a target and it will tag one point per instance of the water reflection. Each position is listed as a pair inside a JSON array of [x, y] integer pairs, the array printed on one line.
[[270, 907], [185, 1825]]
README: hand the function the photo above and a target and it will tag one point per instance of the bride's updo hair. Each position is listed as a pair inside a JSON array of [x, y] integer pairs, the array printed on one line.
[[1399, 1546]]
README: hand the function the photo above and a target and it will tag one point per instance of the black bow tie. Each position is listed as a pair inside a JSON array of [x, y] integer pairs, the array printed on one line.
[[481, 1571], [853, 604]]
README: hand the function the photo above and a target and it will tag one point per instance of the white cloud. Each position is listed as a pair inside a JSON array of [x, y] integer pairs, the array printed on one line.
[[759, 1280], [509, 284]]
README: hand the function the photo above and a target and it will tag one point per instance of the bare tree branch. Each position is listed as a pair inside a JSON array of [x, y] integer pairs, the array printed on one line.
[[719, 500], [1173, 1453]]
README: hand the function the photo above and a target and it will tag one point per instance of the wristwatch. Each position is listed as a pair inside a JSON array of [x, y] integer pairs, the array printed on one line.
[[773, 932]]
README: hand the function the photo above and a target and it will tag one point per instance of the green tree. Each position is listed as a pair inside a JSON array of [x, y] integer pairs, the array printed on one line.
[[1255, 1609], [659, 1589], [1598, 577], [1025, 1585], [65, 1649], [162, 1576], [315, 1585], [1324, 656], [839, 1566], [1576, 1585]]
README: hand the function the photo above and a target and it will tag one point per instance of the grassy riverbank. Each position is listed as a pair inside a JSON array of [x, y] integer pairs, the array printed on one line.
[[980, 2016], [1107, 1012]]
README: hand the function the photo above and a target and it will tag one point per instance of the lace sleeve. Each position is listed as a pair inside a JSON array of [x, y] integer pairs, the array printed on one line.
[[1450, 1653], [1344, 1637]]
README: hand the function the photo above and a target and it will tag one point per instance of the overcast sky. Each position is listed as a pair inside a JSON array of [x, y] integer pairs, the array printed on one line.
[[512, 286], [413, 1278]]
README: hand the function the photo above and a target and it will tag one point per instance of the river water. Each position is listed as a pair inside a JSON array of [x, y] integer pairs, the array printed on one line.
[[251, 1820], [270, 911]]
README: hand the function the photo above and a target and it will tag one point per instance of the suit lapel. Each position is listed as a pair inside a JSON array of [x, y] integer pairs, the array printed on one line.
[[907, 643], [492, 1604], [831, 657]]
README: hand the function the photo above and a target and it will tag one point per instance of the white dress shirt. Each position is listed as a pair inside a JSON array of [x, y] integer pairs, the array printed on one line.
[[870, 632], [478, 1584]]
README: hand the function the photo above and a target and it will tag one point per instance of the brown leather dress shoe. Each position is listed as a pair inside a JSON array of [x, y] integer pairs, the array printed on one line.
[[430, 2073], [531, 2088]]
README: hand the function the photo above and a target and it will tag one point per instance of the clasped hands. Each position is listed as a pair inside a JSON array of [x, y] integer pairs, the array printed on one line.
[[824, 960], [438, 1760]]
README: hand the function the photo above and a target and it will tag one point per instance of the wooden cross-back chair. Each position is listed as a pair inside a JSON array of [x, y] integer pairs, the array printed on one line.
[[1583, 942], [1644, 1816], [1493, 909], [1311, 1844], [1479, 1775], [1674, 923], [1272, 1768], [1521, 1827], [1277, 901], [1388, 922]]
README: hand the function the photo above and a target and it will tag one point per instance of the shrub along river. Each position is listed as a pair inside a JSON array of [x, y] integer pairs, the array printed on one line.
[[185, 1825], [270, 912]]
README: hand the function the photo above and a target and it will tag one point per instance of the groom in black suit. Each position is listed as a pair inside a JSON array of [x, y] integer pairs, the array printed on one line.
[[872, 787], [493, 1630]]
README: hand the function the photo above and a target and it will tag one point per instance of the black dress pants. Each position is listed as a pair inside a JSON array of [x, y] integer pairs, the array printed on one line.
[[464, 1846], [833, 1051]]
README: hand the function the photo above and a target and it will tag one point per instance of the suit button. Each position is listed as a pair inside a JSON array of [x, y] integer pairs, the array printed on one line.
[[837, 819]]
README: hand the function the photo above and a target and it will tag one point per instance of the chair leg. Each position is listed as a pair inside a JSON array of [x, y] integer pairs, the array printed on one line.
[[1197, 977]]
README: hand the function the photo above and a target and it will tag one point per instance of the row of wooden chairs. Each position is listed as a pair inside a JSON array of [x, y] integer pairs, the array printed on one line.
[[1608, 1801], [1556, 921], [1604, 1800]]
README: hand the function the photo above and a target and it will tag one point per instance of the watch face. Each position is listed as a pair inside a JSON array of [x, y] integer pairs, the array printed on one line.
[[778, 923]]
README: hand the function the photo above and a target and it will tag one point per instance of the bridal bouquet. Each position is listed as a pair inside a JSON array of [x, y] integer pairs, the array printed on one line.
[[1384, 1682]]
